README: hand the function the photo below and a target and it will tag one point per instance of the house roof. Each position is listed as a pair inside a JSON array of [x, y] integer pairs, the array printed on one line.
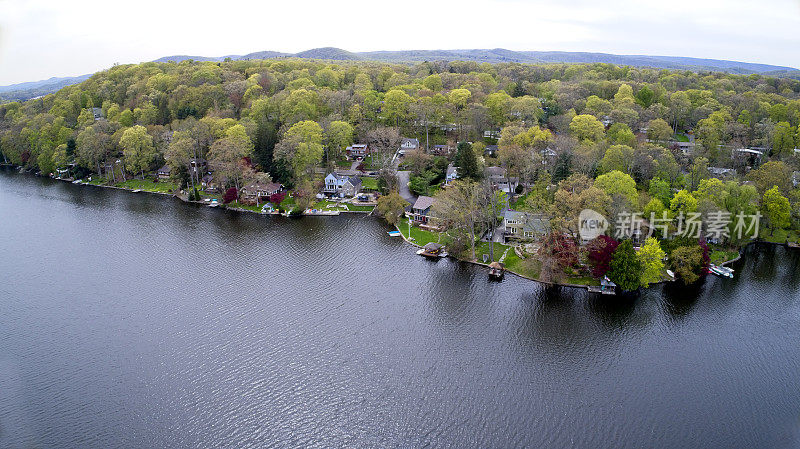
[[452, 170], [490, 148], [432, 246], [354, 180], [165, 169], [423, 202], [406, 141], [495, 171], [268, 187]]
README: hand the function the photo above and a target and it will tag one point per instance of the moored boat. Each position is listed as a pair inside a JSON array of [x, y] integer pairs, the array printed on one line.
[[496, 270], [432, 250]]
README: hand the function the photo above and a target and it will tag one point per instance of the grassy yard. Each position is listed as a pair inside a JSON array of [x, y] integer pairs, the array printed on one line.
[[369, 183], [482, 248], [148, 185], [681, 137], [529, 267], [717, 257], [418, 236], [238, 205], [360, 208], [780, 236]]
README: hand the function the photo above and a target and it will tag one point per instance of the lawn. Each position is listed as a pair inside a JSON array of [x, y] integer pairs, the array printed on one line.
[[418, 236], [780, 236], [360, 208], [238, 205], [681, 137], [482, 248], [529, 267], [148, 185], [369, 183], [717, 257]]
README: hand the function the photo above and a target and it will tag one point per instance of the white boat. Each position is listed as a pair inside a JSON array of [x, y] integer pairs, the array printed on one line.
[[721, 271]]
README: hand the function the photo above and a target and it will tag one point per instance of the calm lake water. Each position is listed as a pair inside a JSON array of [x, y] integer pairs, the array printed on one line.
[[134, 320]]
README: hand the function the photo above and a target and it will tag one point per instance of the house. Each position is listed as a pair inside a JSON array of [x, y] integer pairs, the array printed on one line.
[[97, 113], [490, 150], [549, 156], [351, 187], [257, 192], [164, 172], [750, 156], [198, 166], [721, 173], [795, 178], [421, 213], [684, 147], [499, 181], [407, 145], [491, 134], [440, 150], [341, 185], [452, 174], [209, 184], [357, 150], [524, 226]]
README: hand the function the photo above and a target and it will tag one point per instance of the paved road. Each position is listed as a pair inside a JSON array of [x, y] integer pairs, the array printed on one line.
[[403, 178]]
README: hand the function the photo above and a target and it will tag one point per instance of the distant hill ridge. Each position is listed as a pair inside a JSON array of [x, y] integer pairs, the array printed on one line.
[[25, 91], [499, 55]]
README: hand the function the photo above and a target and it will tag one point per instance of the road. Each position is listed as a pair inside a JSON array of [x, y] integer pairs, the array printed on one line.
[[403, 178]]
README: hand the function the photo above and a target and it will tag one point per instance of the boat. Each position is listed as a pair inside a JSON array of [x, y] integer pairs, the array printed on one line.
[[137, 190], [432, 250], [671, 274], [721, 271], [394, 233], [496, 270]]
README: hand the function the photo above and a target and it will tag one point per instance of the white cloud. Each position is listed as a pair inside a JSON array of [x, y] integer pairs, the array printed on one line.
[[43, 38]]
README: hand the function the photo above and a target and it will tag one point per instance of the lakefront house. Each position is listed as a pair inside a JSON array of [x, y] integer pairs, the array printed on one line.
[[259, 192], [341, 186]]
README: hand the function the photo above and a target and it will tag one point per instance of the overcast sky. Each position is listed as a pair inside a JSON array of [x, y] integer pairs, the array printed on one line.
[[44, 38]]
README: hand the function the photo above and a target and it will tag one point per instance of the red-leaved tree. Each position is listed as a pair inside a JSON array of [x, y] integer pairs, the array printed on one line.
[[556, 253], [599, 252], [277, 198], [230, 195]]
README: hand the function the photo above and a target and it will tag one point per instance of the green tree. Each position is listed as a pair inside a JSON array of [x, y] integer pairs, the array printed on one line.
[[687, 262], [396, 106], [467, 162], [617, 157], [391, 207], [338, 135], [651, 259], [227, 155], [302, 148], [776, 209], [783, 140], [137, 146], [659, 130], [625, 268], [660, 189], [621, 134], [683, 202], [586, 128], [615, 183]]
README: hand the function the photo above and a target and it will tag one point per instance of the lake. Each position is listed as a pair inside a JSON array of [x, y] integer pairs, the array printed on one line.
[[135, 320]]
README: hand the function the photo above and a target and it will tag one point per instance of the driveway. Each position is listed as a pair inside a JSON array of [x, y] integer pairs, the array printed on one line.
[[403, 178]]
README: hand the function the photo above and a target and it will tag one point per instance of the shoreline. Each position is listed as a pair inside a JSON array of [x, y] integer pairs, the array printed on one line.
[[474, 262]]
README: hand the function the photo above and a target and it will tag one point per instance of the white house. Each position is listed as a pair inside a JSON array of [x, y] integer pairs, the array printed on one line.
[[407, 145], [452, 174]]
